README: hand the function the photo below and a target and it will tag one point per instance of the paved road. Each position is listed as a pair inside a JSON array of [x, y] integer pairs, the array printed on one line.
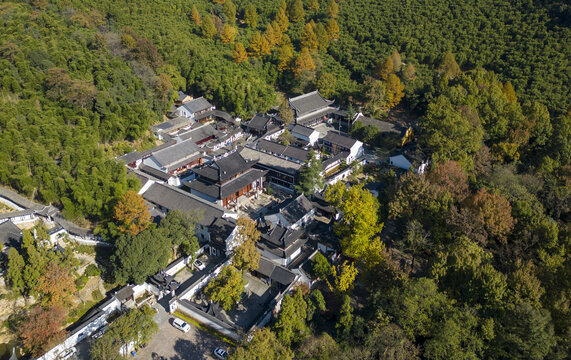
[[173, 344]]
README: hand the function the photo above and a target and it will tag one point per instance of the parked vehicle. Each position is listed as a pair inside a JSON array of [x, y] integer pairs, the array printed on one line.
[[199, 265], [220, 353], [67, 354], [181, 325]]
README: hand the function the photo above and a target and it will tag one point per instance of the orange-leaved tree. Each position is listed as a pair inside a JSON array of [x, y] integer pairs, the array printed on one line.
[[131, 213]]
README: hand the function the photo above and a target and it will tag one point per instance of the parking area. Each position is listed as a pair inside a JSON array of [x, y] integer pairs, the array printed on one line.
[[172, 344]]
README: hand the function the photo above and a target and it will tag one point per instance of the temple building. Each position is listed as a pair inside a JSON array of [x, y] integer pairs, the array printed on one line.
[[225, 180]]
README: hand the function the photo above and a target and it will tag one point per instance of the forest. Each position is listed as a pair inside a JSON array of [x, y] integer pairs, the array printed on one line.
[[470, 260]]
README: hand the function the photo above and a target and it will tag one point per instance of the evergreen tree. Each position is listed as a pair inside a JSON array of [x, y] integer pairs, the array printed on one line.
[[251, 16], [285, 57], [195, 16], [449, 67], [509, 92], [326, 84], [270, 36], [230, 11], [332, 8], [345, 321], [285, 111], [332, 29], [291, 325], [15, 274], [227, 34], [308, 37], [312, 5], [239, 55], [375, 95], [409, 73], [208, 28], [397, 62], [304, 62], [310, 177], [394, 91], [295, 11], [281, 18], [322, 36]]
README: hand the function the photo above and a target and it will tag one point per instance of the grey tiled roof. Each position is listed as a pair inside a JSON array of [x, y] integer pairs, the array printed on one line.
[[383, 126], [200, 133], [221, 192], [296, 209], [197, 105], [279, 149], [271, 161], [275, 272], [161, 175], [220, 230], [338, 139], [176, 153], [308, 103], [172, 198], [173, 124], [296, 153], [10, 235], [302, 130], [340, 156]]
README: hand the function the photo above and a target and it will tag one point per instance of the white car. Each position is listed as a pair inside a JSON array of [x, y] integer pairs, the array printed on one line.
[[199, 265], [220, 353], [181, 325], [67, 354]]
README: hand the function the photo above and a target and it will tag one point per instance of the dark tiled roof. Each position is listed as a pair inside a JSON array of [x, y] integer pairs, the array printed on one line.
[[155, 172], [281, 241], [296, 209], [271, 161], [321, 114], [383, 126], [271, 147], [220, 230], [302, 130], [279, 149], [124, 293], [221, 192], [338, 139], [173, 124], [340, 156], [131, 157], [226, 168], [296, 153], [258, 122], [171, 198], [275, 272], [200, 133], [197, 105], [12, 214], [308, 103], [175, 154], [181, 96], [10, 235]]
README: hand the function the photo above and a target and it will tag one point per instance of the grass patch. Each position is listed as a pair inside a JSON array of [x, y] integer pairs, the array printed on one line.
[[189, 319]]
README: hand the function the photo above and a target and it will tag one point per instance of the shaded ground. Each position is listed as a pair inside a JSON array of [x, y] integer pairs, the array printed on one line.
[[173, 344]]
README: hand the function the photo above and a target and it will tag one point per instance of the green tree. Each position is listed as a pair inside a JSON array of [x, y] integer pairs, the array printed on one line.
[[310, 177], [345, 320], [132, 213], [449, 67], [312, 5], [376, 101], [180, 229], [136, 326], [227, 288], [251, 15], [322, 36], [230, 11], [291, 326], [208, 28], [295, 11], [326, 84], [285, 111], [321, 267], [15, 274], [409, 72], [105, 348], [264, 345], [449, 133], [332, 8], [344, 276], [137, 257], [359, 223]]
